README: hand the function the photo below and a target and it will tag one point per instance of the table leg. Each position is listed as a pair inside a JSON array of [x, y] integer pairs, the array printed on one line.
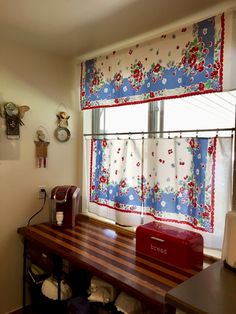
[[58, 273], [24, 276]]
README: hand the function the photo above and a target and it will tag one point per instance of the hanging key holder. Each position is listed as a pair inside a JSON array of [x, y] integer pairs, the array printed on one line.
[[13, 115], [41, 146]]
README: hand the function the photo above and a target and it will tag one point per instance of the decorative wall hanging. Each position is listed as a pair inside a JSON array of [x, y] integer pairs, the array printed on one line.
[[62, 133], [41, 145], [186, 62], [13, 115]]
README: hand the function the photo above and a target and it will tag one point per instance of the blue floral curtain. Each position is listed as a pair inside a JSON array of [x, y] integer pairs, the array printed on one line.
[[116, 174], [181, 180], [186, 62]]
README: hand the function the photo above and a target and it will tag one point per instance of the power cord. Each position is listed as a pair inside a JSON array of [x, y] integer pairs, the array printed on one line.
[[41, 208]]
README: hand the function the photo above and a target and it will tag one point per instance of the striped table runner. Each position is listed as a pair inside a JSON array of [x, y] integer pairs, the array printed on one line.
[[110, 254]]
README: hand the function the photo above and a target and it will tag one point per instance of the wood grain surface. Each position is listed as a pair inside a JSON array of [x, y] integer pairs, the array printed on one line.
[[109, 252]]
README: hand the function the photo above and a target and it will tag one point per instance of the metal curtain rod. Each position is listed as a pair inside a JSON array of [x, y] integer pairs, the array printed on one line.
[[160, 132]]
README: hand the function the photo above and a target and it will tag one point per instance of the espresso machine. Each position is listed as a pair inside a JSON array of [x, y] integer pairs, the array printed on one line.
[[64, 205]]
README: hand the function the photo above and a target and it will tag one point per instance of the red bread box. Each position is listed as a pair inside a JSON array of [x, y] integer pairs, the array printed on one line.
[[172, 245]]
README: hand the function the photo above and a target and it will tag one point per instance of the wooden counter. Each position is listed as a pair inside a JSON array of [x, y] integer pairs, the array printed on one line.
[[109, 253]]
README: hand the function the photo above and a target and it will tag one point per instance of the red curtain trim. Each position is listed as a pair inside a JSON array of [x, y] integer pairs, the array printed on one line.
[[155, 99]]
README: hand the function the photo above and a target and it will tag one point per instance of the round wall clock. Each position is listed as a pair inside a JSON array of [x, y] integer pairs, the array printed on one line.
[[62, 134]]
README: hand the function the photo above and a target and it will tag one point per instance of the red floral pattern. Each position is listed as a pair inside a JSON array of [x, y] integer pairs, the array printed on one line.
[[138, 75], [186, 62], [180, 191]]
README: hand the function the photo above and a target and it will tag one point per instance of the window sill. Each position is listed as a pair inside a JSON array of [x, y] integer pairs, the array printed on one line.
[[210, 255], [108, 221]]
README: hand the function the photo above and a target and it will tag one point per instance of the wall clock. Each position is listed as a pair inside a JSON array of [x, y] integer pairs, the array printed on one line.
[[62, 134]]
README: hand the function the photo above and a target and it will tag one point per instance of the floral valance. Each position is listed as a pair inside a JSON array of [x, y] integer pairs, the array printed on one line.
[[183, 63]]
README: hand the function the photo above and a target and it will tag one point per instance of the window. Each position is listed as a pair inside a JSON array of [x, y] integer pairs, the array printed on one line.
[[120, 119], [212, 111]]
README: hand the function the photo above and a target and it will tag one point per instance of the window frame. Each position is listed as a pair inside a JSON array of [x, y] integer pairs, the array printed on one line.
[[156, 112]]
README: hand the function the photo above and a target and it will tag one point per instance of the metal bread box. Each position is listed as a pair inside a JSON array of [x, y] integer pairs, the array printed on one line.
[[172, 245]]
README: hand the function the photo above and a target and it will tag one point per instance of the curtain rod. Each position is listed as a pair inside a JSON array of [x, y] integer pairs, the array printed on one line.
[[161, 132]]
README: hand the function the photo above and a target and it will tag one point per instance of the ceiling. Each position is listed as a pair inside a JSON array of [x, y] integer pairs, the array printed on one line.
[[78, 27]]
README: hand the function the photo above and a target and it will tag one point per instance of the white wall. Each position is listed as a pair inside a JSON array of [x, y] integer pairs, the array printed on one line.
[[42, 82]]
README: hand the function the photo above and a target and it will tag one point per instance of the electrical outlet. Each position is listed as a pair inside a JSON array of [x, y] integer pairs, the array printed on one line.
[[41, 190]]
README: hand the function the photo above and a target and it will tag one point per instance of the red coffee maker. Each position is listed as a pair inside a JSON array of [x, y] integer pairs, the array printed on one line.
[[65, 205]]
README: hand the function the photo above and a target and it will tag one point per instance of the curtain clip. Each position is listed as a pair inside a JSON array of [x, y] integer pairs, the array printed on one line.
[[142, 135], [180, 134], [129, 136], [217, 131], [196, 133], [168, 134]]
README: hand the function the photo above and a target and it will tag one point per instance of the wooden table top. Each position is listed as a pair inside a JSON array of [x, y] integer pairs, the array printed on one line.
[[109, 253], [211, 291]]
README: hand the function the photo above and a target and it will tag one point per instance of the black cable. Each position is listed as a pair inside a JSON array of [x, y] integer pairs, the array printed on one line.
[[41, 208]]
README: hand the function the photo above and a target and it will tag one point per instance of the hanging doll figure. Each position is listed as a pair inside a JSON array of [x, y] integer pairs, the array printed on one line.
[[41, 149], [62, 119]]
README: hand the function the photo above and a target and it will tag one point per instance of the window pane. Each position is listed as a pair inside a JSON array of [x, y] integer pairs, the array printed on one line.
[[209, 111], [127, 119]]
